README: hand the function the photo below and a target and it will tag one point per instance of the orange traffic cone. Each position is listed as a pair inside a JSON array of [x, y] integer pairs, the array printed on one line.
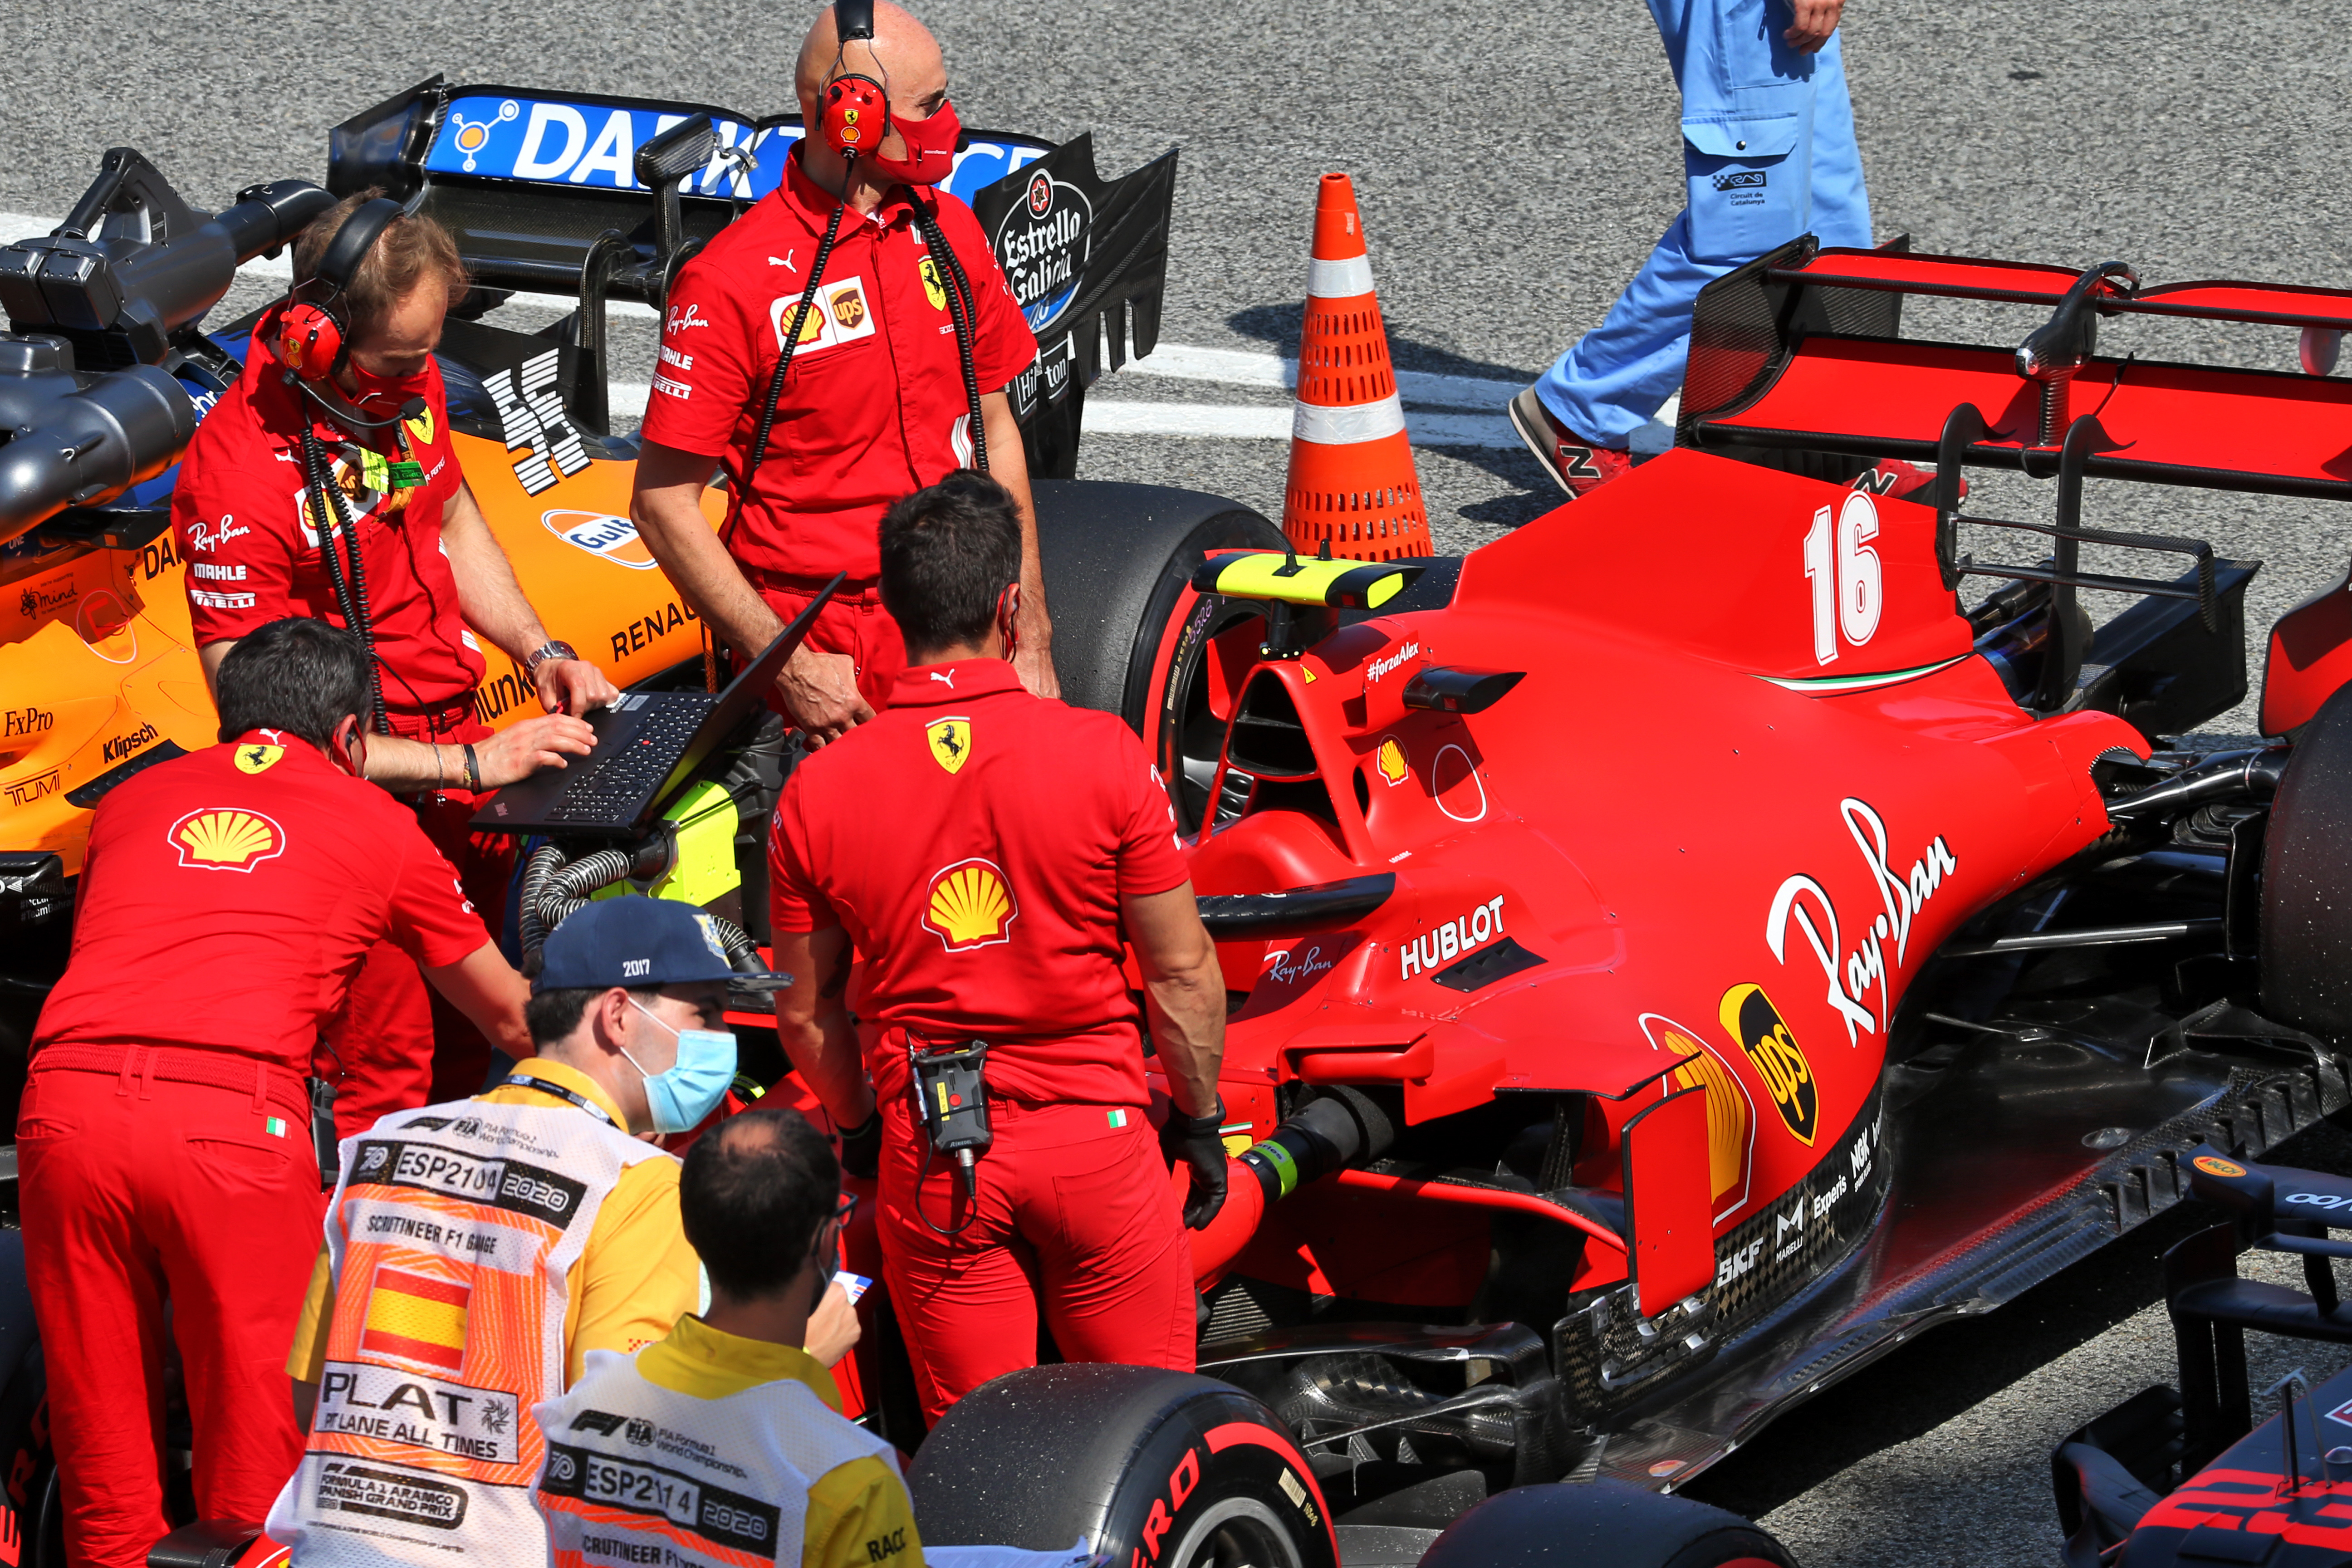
[[1351, 483]]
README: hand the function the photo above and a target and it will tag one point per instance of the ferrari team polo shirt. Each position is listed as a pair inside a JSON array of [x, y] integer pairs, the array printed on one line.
[[975, 841], [231, 894], [635, 1278], [873, 407], [241, 519]]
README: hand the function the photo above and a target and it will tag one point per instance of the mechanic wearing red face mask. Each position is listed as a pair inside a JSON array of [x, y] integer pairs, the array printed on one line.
[[165, 1133], [986, 851], [363, 436], [875, 402]]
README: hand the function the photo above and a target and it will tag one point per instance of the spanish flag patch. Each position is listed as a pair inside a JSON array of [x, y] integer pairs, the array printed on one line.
[[416, 1319]]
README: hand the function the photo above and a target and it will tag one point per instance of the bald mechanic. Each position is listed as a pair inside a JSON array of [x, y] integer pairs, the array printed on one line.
[[874, 404], [164, 1136], [989, 853], [414, 570], [478, 1251]]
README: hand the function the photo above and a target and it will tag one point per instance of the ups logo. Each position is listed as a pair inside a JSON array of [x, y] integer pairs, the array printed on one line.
[[1749, 1018]]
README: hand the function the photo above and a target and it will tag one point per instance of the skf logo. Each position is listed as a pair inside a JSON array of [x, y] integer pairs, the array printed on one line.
[[218, 839], [971, 906], [600, 534], [1390, 761], [257, 758], [2218, 1167], [951, 742], [1751, 1018]]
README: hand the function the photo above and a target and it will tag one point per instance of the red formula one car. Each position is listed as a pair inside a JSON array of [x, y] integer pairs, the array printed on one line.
[[1678, 950]]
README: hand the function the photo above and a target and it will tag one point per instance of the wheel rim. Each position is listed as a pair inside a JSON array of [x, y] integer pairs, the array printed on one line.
[[1191, 737], [1236, 1533]]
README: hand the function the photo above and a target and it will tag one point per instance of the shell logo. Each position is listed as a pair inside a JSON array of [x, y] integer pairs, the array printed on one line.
[[1390, 760], [600, 534], [226, 838], [971, 906], [1729, 1117], [2213, 1167]]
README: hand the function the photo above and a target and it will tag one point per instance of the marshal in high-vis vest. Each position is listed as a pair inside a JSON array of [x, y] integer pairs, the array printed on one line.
[[470, 1244]]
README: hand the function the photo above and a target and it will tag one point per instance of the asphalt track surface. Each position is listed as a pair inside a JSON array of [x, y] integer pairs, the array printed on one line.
[[1514, 164]]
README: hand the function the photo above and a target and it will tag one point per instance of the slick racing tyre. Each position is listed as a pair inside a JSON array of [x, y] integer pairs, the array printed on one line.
[[1604, 1522], [1162, 1468], [1129, 636], [2307, 922]]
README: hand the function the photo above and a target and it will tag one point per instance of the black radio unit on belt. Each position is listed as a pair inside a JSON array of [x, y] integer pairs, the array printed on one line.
[[950, 1091]]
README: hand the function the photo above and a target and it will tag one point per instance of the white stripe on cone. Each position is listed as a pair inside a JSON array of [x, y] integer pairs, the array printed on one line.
[[1345, 427], [1342, 279]]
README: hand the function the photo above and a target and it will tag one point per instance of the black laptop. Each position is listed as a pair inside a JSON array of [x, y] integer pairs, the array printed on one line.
[[648, 743]]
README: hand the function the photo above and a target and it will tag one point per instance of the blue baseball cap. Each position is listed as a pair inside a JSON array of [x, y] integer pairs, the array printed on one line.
[[641, 943]]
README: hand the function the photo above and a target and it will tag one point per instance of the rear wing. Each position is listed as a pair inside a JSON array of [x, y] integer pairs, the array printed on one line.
[[1797, 359], [543, 193]]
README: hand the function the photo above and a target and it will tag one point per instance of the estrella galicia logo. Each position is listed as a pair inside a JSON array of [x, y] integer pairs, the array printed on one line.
[[1740, 180], [1043, 243]]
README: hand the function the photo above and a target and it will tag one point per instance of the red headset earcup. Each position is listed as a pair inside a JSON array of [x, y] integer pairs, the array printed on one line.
[[309, 339], [856, 115]]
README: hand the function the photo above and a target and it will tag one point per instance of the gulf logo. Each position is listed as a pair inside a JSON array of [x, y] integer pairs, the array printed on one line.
[[600, 534]]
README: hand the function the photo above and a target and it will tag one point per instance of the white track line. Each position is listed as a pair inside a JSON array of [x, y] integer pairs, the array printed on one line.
[[1486, 429]]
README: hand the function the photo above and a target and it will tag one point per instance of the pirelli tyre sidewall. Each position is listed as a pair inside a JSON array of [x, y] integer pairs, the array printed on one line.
[[1154, 1469], [2306, 894]]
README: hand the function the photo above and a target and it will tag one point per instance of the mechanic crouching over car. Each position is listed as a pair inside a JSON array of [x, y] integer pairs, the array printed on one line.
[[982, 849], [478, 1251], [907, 338], [339, 430], [166, 1132]]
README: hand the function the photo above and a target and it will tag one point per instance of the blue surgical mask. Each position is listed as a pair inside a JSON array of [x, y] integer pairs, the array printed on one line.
[[691, 1089]]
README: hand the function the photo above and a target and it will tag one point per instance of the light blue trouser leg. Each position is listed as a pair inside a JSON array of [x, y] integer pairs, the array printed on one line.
[[1609, 385], [1840, 199], [1616, 376]]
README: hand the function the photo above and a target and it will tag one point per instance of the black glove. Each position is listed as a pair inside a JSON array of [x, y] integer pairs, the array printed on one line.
[[861, 1146], [1194, 1140]]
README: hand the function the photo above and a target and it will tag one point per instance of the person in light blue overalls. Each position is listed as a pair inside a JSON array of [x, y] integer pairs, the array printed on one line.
[[1769, 153]]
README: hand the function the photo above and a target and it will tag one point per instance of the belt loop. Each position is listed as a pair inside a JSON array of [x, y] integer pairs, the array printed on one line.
[[123, 1074], [147, 1073], [260, 1086]]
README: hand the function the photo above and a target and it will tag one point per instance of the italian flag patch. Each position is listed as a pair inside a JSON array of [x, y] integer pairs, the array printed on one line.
[[1116, 1118], [274, 1126]]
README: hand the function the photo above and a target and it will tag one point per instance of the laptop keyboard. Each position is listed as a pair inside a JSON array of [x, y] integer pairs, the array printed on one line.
[[611, 793]]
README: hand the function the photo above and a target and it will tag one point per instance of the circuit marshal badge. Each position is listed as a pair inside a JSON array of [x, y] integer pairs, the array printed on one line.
[[1751, 1018], [950, 743]]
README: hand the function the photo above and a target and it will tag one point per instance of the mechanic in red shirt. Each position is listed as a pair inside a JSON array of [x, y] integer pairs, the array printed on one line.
[[427, 569], [985, 851], [165, 1141], [874, 404]]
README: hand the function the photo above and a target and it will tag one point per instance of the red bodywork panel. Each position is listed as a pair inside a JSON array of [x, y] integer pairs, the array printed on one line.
[[1752, 777]]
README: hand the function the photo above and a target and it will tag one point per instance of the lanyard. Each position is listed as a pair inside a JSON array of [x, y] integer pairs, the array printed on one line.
[[522, 1081]]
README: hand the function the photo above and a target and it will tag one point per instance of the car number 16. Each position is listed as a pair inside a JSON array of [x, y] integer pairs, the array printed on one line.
[[1847, 593]]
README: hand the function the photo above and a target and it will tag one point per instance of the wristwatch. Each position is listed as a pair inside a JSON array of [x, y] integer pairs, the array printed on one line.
[[543, 653]]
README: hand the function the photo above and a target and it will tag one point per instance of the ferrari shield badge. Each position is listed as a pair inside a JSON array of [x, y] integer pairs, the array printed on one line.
[[1751, 1020], [928, 270], [950, 743], [257, 758]]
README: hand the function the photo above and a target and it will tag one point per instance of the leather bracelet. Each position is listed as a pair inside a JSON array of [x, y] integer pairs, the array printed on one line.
[[473, 771]]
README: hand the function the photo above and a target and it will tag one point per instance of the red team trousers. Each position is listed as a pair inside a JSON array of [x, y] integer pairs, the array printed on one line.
[[139, 1187], [852, 622], [1072, 1211], [397, 1045]]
